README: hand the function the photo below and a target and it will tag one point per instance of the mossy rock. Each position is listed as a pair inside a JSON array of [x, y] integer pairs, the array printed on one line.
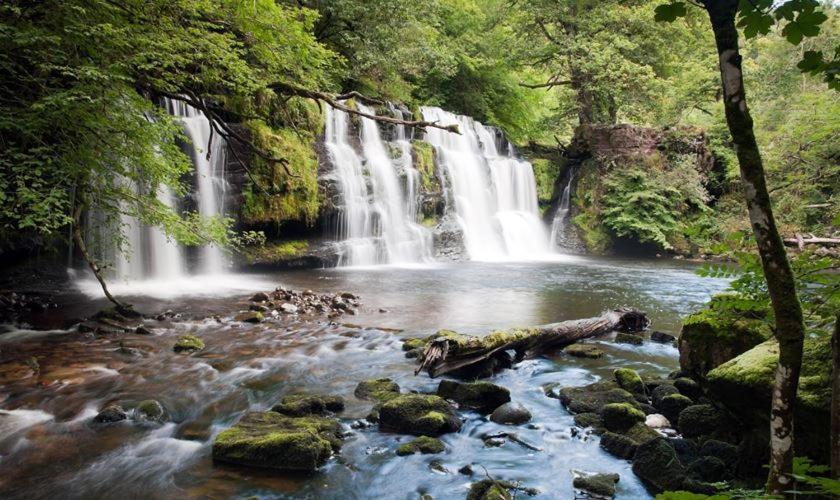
[[629, 380], [619, 417], [249, 317], [489, 489], [601, 485], [188, 343], [688, 388], [299, 405], [423, 158], [657, 465], [718, 333], [149, 410], [418, 414], [661, 391], [481, 396], [619, 445], [586, 351], [591, 398], [422, 444], [700, 420], [589, 420], [672, 405], [709, 469], [628, 338], [274, 441], [412, 343], [380, 389]]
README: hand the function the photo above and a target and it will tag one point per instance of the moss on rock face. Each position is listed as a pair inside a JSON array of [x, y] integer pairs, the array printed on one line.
[[489, 489], [188, 343], [380, 389], [271, 440], [481, 396], [587, 351], [629, 380], [276, 252], [672, 405], [422, 444], [718, 333], [299, 405], [602, 485], [593, 397], [700, 420], [418, 414], [423, 157], [657, 465], [619, 417]]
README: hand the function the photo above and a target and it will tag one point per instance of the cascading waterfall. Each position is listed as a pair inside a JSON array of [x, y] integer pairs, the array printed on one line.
[[377, 217], [560, 225], [494, 195]]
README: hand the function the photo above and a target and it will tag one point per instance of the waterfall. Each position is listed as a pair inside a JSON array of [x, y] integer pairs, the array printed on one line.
[[210, 175], [560, 225], [494, 194], [378, 212]]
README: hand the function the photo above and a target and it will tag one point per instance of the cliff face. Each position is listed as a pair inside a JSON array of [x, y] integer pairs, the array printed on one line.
[[641, 189]]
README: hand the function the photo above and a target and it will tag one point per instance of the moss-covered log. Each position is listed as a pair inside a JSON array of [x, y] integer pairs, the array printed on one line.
[[447, 351]]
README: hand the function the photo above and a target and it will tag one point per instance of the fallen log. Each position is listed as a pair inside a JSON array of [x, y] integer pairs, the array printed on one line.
[[800, 242], [447, 351]]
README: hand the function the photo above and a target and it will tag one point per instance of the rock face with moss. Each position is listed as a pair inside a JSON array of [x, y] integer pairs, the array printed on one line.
[[298, 405], [423, 444], [718, 333], [188, 343], [481, 396], [418, 414], [275, 441]]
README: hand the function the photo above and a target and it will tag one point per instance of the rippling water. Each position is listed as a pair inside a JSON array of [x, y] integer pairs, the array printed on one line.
[[49, 449]]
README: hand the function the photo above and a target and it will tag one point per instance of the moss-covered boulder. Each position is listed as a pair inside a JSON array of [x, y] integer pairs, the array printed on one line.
[[672, 405], [744, 386], [660, 392], [379, 389], [657, 465], [591, 398], [149, 410], [422, 444], [599, 485], [589, 420], [718, 333], [249, 317], [628, 338], [188, 343], [619, 445], [275, 441], [700, 420], [688, 388], [587, 351], [299, 405], [629, 380], [481, 396], [489, 489], [418, 414], [618, 417]]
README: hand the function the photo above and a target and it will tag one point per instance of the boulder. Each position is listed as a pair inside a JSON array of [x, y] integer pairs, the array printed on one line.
[[489, 489], [718, 333], [511, 414], [672, 405], [188, 343], [700, 420], [709, 469], [629, 380], [688, 388], [662, 337], [481, 396], [728, 453], [618, 445], [287, 308], [591, 398], [657, 421], [418, 414], [380, 389], [110, 414], [662, 390], [249, 317], [657, 465], [587, 351], [422, 444], [275, 441], [149, 411], [628, 338], [299, 405], [589, 420], [618, 417], [599, 485]]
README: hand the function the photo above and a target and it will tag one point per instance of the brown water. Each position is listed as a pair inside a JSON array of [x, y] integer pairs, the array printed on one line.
[[48, 447]]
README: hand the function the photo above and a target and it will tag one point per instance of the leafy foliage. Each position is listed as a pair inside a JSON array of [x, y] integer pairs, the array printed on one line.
[[637, 207]]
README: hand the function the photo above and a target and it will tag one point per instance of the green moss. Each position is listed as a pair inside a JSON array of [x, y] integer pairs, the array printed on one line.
[[422, 444], [418, 414], [150, 410], [429, 222], [618, 417], [423, 157], [593, 397], [276, 252], [292, 197], [482, 396], [271, 440], [640, 433], [587, 204], [410, 344], [584, 351], [188, 343], [546, 173], [381, 390], [629, 380], [489, 489], [299, 405], [599, 484]]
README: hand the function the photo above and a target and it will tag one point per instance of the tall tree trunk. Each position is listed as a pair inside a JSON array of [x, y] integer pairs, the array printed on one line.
[[835, 400], [80, 242], [789, 327]]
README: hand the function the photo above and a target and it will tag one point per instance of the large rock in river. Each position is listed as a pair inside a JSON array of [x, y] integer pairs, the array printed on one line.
[[418, 414], [275, 441], [481, 396]]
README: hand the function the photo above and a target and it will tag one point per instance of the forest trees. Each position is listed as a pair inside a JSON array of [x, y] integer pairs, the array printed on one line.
[[801, 19]]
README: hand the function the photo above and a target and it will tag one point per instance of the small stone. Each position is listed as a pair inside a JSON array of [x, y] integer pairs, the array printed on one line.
[[422, 444], [188, 343], [657, 421], [466, 470], [258, 308], [149, 411], [287, 308], [601, 485], [511, 413], [260, 297], [348, 295], [110, 414], [587, 351], [249, 317], [665, 338], [142, 330], [380, 389], [437, 466], [382, 310], [628, 338]]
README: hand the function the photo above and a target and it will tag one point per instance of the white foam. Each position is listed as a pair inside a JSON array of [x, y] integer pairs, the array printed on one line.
[[199, 285]]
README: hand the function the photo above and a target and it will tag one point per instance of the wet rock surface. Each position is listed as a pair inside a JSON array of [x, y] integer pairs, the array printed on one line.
[[418, 414], [511, 414], [481, 396]]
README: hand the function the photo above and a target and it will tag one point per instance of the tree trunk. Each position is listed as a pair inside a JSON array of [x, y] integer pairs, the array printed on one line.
[[835, 400], [789, 327], [448, 351], [80, 242]]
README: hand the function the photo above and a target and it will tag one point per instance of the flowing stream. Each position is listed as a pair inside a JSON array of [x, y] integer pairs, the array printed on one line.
[[50, 449], [560, 229]]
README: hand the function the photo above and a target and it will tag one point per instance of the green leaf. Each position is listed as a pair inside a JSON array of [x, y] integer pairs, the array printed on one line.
[[812, 62], [670, 12]]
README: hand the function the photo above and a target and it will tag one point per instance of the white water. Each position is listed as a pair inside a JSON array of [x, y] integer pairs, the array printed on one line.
[[494, 195], [560, 224], [378, 213]]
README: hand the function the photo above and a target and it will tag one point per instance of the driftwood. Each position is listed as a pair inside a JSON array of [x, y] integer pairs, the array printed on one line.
[[800, 241], [447, 351]]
